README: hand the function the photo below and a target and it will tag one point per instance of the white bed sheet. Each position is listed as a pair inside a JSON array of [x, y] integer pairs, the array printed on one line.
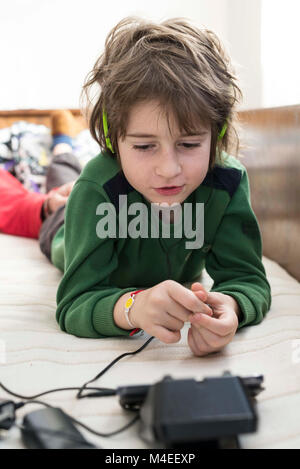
[[35, 355]]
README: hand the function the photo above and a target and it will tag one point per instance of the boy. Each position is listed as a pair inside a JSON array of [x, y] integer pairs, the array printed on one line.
[[164, 117]]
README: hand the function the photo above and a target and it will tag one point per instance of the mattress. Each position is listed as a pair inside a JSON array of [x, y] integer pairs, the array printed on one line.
[[35, 355]]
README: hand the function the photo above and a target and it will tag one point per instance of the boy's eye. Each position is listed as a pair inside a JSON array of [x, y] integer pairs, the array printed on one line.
[[191, 145], [147, 147], [142, 147]]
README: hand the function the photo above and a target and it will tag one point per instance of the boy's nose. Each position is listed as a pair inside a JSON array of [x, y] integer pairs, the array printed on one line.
[[168, 166]]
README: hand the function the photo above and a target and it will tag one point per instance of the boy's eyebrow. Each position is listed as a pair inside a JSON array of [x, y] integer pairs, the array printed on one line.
[[142, 135]]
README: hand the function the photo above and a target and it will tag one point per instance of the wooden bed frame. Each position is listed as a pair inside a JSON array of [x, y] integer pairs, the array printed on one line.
[[272, 158]]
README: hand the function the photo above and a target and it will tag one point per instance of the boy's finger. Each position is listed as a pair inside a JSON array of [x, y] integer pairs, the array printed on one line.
[[205, 310], [197, 286], [198, 345], [217, 326], [186, 298], [202, 295], [211, 338]]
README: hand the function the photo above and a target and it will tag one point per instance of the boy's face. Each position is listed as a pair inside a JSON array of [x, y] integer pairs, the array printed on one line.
[[152, 158]]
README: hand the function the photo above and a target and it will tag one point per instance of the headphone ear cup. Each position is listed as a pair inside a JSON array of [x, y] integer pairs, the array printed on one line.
[[223, 131], [105, 128]]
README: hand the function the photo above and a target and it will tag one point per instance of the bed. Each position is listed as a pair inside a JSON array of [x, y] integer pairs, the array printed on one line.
[[35, 355]]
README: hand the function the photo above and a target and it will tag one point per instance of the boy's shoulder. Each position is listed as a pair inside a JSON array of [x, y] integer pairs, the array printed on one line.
[[100, 169], [105, 173], [229, 161], [226, 174]]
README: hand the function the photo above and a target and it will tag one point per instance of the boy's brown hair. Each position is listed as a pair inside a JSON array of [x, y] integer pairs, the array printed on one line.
[[183, 67]]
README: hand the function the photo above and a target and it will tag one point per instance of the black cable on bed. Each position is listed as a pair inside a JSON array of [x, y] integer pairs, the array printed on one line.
[[98, 392]]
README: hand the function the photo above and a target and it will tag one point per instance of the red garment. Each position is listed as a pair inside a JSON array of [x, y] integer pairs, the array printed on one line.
[[20, 209]]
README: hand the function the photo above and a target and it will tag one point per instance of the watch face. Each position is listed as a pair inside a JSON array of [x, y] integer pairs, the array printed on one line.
[[129, 302]]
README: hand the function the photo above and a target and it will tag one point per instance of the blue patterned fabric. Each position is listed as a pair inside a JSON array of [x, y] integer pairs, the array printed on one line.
[[25, 151]]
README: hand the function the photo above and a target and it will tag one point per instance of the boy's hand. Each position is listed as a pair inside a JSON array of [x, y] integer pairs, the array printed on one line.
[[58, 197], [210, 334], [162, 310]]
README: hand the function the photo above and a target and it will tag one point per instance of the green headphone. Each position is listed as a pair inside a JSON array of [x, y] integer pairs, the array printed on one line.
[[109, 145], [105, 128], [223, 131]]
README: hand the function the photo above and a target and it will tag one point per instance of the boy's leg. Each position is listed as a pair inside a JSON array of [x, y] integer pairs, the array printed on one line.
[[64, 168], [49, 229], [20, 209]]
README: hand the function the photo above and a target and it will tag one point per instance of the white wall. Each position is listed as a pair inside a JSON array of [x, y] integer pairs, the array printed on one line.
[[280, 52], [244, 39], [48, 46]]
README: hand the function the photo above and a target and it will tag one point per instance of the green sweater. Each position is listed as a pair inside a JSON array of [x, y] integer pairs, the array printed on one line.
[[100, 269]]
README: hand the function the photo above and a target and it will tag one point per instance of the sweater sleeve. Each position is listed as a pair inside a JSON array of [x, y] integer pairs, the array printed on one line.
[[85, 297], [20, 209], [235, 260]]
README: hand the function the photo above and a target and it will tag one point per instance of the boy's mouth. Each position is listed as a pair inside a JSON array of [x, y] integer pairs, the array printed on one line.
[[167, 187], [169, 190]]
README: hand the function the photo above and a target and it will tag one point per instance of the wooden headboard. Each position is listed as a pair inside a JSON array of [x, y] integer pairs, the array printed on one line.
[[272, 158], [36, 116], [273, 164]]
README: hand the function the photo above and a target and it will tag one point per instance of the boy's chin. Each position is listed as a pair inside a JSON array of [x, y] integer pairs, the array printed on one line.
[[167, 204]]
